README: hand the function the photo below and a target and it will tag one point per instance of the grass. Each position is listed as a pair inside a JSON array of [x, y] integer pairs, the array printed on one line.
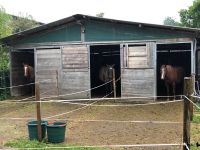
[[195, 130], [196, 119], [25, 144], [193, 147]]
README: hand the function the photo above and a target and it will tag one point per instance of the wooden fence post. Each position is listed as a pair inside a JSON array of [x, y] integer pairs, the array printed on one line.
[[114, 84], [186, 112], [37, 98]]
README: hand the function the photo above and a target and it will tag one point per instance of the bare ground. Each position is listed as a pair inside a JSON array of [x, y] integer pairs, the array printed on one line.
[[82, 132]]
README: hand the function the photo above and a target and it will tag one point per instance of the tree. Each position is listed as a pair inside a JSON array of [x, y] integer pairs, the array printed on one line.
[[191, 17], [5, 30], [171, 21], [23, 22], [5, 23]]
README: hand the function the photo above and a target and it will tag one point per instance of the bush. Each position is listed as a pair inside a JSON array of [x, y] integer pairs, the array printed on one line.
[[4, 82]]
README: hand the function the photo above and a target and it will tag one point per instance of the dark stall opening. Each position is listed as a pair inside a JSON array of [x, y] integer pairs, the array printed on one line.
[[101, 55], [178, 55], [18, 57]]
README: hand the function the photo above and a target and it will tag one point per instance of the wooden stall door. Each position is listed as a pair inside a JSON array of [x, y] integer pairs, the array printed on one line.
[[48, 70], [138, 69], [75, 71]]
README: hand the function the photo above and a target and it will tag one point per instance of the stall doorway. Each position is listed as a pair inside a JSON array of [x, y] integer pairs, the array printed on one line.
[[178, 55], [18, 58], [102, 55]]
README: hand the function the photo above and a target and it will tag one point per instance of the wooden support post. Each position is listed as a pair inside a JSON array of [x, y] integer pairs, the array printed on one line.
[[114, 84], [37, 98], [189, 83], [186, 112], [192, 98]]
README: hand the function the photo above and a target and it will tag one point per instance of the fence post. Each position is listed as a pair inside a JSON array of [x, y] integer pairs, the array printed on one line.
[[114, 84], [187, 111], [37, 98]]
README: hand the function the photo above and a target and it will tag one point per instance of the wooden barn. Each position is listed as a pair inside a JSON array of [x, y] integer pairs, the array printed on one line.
[[67, 55]]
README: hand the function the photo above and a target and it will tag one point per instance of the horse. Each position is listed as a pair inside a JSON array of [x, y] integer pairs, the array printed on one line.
[[106, 75], [172, 76], [29, 75]]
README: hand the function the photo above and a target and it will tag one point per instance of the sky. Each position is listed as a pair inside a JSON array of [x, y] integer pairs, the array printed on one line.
[[146, 11]]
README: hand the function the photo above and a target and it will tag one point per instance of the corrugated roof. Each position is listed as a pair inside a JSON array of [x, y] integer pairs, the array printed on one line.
[[79, 17]]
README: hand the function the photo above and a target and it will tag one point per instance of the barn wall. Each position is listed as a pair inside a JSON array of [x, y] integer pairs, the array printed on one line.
[[100, 31], [138, 79], [107, 31], [75, 75], [67, 33]]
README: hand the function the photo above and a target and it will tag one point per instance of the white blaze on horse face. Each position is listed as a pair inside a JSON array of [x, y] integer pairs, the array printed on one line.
[[25, 71], [163, 73]]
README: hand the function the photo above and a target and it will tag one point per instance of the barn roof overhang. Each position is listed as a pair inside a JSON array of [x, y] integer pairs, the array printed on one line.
[[78, 18]]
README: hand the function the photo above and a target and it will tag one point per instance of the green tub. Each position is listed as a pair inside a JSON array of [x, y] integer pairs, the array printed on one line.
[[32, 129], [56, 132]]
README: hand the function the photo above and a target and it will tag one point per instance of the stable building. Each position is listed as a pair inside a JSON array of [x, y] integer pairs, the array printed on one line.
[[67, 55]]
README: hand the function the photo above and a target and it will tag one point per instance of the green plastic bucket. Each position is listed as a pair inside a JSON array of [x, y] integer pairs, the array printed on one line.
[[32, 129], [56, 132]]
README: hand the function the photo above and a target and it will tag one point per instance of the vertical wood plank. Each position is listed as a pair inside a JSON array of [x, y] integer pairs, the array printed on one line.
[[114, 84], [37, 98], [186, 112]]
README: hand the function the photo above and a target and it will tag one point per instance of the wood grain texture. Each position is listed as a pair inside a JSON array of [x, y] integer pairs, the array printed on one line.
[[48, 64], [137, 82]]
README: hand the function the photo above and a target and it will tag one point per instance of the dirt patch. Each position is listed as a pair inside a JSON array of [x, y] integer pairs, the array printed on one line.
[[97, 125]]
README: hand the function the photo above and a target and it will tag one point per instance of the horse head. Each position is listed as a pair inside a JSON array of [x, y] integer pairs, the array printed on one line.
[[110, 71], [28, 71], [163, 71]]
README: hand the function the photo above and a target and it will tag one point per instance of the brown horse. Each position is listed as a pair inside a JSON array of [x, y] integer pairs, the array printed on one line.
[[29, 75], [106, 75], [172, 76]]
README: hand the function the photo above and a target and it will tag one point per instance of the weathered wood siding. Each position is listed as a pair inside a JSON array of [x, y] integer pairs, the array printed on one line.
[[48, 70], [137, 70], [75, 75]]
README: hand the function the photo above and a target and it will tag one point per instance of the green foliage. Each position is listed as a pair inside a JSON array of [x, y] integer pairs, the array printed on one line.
[[4, 82], [5, 30], [4, 63], [170, 21], [35, 144], [193, 147], [191, 17], [5, 23], [196, 119], [23, 22]]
